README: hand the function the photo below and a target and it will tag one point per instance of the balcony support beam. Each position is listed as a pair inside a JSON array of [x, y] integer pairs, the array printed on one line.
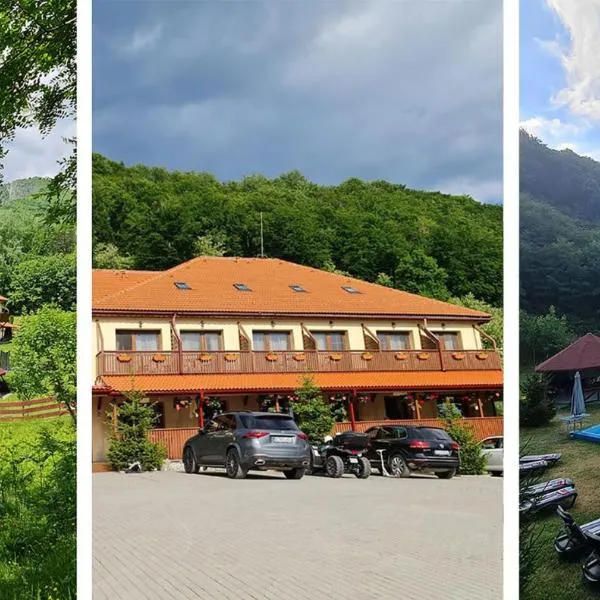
[[351, 402], [201, 410]]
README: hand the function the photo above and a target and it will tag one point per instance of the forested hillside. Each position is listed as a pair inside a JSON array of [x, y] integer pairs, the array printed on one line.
[[426, 242], [560, 242], [37, 258]]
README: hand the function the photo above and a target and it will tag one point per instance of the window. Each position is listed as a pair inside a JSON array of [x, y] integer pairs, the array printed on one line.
[[241, 287], [392, 340], [268, 422], [137, 341], [225, 423], [430, 433], [271, 341], [330, 340], [449, 339], [197, 341], [372, 433], [297, 288], [182, 285], [350, 289]]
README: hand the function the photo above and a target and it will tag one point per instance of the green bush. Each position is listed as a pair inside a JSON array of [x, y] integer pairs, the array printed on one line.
[[312, 412], [537, 405], [37, 511], [129, 442], [472, 461]]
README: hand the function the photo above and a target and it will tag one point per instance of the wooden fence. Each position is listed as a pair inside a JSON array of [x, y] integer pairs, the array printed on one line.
[[40, 408], [174, 439]]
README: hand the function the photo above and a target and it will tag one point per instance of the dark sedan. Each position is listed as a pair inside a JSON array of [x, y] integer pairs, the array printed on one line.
[[406, 449]]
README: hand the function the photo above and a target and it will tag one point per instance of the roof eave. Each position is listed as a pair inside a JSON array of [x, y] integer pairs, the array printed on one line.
[[270, 314]]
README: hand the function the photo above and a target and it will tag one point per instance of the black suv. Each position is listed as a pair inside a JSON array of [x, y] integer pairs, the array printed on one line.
[[412, 448], [241, 441]]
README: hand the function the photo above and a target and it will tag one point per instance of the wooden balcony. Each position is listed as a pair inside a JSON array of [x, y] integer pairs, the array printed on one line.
[[194, 363]]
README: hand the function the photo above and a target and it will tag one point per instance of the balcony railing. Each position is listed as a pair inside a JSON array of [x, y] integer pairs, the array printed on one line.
[[192, 363]]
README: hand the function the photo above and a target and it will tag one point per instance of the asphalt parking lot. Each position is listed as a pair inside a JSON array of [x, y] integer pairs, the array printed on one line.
[[168, 535]]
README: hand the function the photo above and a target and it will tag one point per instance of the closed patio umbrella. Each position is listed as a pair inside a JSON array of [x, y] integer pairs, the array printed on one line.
[[577, 399]]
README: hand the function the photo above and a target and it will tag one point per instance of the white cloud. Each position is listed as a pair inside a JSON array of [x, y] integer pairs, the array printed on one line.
[[143, 39], [550, 128], [30, 155], [579, 58]]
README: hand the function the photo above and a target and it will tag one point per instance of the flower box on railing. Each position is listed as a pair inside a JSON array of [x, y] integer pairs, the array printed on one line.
[[272, 357], [158, 358], [231, 357], [335, 357], [423, 356], [482, 355], [458, 356], [205, 357], [124, 358], [401, 356], [366, 356], [301, 357]]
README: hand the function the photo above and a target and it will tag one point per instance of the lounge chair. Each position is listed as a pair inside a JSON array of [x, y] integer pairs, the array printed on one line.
[[532, 469], [573, 539], [551, 459], [563, 497]]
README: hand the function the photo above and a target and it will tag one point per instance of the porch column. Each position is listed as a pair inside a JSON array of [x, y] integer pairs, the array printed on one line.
[[351, 410], [201, 410], [115, 418], [480, 404], [417, 407]]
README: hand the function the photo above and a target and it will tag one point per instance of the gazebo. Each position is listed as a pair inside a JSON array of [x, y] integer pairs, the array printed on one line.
[[583, 356]]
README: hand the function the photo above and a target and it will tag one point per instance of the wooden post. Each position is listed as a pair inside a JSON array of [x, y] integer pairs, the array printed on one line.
[[201, 410], [480, 404], [417, 408], [114, 419], [351, 410]]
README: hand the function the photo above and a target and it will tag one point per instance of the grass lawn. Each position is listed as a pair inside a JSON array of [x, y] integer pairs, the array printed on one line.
[[580, 462]]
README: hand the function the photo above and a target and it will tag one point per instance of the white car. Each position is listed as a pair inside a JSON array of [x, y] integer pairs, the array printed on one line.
[[493, 450]]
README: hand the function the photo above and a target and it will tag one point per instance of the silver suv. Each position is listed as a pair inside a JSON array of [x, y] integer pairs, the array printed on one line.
[[244, 441]]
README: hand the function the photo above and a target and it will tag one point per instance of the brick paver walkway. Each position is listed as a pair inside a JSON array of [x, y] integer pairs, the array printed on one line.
[[172, 536]]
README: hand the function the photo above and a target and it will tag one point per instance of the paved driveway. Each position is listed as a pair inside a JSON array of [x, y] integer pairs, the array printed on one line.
[[172, 536]]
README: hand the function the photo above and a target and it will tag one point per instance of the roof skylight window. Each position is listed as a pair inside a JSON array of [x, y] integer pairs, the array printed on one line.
[[350, 289], [182, 285], [297, 288], [241, 287]]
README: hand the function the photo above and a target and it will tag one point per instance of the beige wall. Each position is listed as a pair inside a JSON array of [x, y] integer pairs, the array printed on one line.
[[469, 336]]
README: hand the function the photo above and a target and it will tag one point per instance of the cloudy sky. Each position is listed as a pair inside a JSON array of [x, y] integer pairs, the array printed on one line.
[[560, 73], [407, 91], [31, 155]]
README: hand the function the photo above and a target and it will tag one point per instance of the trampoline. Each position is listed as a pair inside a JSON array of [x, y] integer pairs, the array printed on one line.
[[590, 434]]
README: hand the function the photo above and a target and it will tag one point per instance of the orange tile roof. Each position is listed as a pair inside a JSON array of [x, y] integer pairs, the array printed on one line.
[[212, 280], [106, 282], [424, 380]]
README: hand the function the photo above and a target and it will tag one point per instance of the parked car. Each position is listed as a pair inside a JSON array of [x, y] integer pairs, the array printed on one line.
[[244, 441], [411, 448], [342, 454], [493, 450]]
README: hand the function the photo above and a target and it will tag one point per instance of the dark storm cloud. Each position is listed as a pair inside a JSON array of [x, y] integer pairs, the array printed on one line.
[[404, 91]]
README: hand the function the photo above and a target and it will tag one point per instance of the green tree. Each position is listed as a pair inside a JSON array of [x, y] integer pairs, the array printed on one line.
[[472, 460], [311, 411], [43, 357], [384, 279], [419, 273], [537, 404], [211, 244], [541, 336], [38, 81], [107, 256], [44, 280], [129, 442]]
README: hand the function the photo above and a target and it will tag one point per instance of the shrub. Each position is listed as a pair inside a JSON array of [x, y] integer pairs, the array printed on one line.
[[537, 405], [129, 442], [312, 412], [472, 461]]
